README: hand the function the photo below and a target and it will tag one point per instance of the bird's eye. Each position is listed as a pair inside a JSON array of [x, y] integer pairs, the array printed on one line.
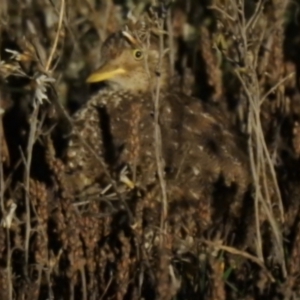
[[138, 54]]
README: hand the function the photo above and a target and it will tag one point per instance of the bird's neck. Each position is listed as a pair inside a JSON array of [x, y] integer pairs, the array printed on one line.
[[161, 81], [138, 85]]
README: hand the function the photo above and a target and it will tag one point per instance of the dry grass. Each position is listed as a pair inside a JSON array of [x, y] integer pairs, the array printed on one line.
[[240, 55]]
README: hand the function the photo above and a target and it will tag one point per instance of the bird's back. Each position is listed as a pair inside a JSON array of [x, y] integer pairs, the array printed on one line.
[[199, 149]]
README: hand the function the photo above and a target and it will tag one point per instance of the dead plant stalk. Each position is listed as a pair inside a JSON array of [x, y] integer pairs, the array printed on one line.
[[158, 140], [260, 159], [32, 137]]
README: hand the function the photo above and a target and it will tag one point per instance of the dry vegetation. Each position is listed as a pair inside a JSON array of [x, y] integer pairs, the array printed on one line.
[[241, 55]]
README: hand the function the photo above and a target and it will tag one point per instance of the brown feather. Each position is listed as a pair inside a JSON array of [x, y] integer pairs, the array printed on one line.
[[199, 148]]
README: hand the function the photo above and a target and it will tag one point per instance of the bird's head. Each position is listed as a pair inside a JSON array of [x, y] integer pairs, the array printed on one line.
[[127, 63]]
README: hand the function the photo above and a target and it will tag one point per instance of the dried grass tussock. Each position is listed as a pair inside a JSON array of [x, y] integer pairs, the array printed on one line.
[[203, 199]]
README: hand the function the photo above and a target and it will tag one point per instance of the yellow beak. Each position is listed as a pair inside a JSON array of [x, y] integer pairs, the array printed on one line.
[[105, 72]]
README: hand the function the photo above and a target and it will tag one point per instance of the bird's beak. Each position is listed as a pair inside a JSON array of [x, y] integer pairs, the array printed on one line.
[[105, 72]]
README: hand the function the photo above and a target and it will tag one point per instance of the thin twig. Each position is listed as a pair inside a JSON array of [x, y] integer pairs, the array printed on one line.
[[241, 253], [158, 140], [274, 88], [54, 46], [31, 140]]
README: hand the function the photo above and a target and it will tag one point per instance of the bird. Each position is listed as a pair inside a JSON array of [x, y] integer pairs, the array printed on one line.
[[115, 130]]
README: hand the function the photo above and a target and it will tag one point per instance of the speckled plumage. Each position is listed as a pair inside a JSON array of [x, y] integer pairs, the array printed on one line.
[[198, 148]]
